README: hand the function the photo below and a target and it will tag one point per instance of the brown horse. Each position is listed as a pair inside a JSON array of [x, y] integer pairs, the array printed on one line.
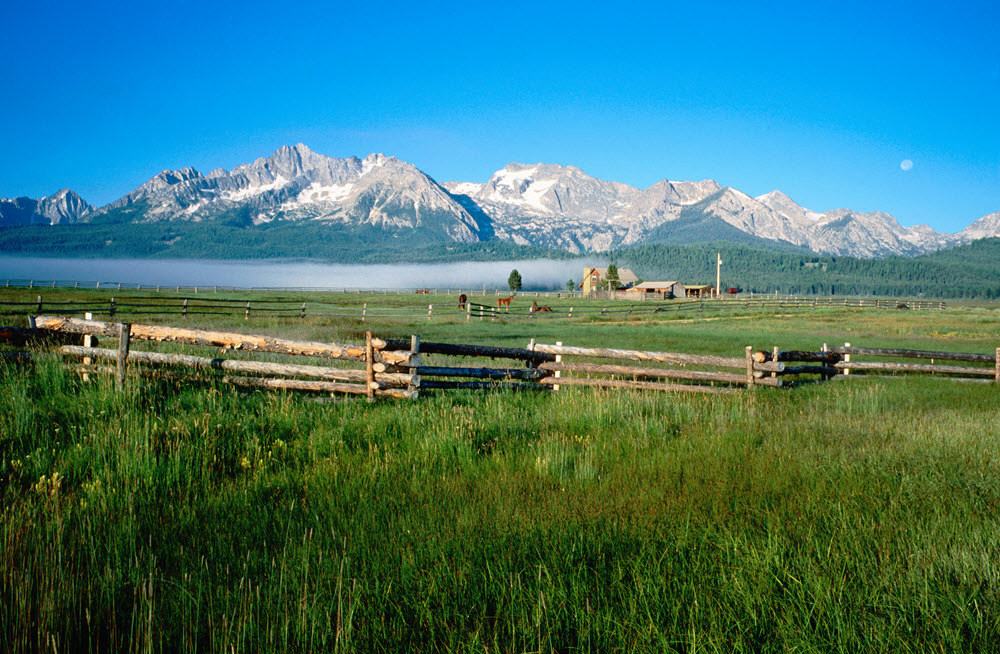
[[535, 307], [504, 301], [462, 299]]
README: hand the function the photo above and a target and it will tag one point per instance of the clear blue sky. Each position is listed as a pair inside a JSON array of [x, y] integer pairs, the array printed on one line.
[[820, 100]]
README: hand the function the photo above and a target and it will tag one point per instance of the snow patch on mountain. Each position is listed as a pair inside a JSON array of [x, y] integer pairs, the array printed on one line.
[[541, 204], [251, 191]]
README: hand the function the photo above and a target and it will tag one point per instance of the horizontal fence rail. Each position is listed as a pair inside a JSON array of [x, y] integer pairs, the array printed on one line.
[[326, 306], [401, 368]]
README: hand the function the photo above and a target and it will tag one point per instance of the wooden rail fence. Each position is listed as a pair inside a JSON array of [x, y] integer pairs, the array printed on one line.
[[402, 368], [137, 306]]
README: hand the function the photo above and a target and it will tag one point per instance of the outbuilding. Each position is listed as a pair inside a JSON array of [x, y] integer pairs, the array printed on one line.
[[699, 291], [659, 290]]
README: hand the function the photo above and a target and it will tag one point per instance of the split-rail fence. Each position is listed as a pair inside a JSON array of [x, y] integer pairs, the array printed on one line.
[[402, 368], [131, 307]]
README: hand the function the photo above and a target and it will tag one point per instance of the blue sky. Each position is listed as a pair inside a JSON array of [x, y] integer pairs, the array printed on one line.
[[820, 100]]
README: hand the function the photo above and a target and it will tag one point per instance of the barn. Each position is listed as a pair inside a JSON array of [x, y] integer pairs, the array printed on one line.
[[658, 290]]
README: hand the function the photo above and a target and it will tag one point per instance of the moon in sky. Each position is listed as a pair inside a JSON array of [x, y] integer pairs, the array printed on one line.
[[906, 164]]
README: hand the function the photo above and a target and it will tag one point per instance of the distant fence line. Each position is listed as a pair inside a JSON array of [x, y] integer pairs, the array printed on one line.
[[132, 305], [224, 288], [402, 368]]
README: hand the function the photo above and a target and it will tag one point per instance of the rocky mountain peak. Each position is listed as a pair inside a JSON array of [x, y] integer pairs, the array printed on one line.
[[62, 207], [986, 227], [542, 204]]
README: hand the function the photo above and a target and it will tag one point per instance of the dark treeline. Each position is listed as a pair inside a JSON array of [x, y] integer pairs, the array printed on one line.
[[969, 271], [218, 240]]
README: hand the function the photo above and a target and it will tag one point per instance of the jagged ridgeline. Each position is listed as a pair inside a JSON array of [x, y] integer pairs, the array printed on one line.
[[302, 204]]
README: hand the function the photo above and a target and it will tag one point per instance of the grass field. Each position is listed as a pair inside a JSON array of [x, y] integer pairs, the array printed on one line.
[[852, 516]]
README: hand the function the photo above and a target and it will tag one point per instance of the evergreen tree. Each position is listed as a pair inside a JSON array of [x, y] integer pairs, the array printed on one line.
[[514, 281], [612, 279]]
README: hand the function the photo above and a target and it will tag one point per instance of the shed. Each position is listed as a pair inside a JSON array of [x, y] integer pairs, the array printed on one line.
[[665, 289], [699, 290]]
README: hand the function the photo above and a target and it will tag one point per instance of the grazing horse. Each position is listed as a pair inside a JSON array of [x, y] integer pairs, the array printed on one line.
[[535, 307], [504, 301], [462, 299]]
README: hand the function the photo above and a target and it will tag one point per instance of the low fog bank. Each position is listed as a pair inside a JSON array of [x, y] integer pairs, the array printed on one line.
[[537, 274]]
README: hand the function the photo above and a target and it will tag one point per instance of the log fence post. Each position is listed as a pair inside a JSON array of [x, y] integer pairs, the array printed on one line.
[[184, 309], [847, 359], [303, 314], [996, 373], [246, 316], [111, 310], [774, 358], [531, 347], [825, 349], [415, 349], [364, 311], [558, 374], [88, 341], [39, 312], [750, 378], [468, 311], [124, 335], [430, 311], [571, 312], [369, 367]]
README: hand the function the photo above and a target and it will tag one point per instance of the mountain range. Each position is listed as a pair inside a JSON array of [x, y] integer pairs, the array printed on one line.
[[544, 205]]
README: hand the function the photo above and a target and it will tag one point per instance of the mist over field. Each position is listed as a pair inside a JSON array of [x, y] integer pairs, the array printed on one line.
[[541, 274]]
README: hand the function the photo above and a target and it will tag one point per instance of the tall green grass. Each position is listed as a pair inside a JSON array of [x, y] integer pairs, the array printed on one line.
[[855, 516], [847, 517]]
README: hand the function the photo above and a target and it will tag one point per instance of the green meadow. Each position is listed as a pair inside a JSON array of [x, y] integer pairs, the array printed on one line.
[[859, 515]]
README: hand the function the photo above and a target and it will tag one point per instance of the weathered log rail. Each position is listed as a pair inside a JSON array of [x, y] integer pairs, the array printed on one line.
[[849, 365], [841, 362], [397, 381], [607, 375], [401, 368]]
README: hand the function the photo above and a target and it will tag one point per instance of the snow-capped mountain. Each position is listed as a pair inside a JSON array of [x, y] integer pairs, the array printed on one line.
[[62, 207], [985, 227], [563, 207], [295, 183], [541, 204]]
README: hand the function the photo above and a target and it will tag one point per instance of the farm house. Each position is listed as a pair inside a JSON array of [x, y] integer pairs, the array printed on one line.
[[594, 279]]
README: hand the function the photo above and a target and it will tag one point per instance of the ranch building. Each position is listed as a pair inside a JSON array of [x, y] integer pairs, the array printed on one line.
[[658, 290], [699, 291], [594, 279]]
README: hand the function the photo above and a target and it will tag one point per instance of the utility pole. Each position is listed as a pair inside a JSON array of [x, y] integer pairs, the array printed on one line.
[[718, 275]]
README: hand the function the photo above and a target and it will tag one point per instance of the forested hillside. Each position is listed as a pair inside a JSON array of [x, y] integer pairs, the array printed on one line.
[[968, 271], [229, 240]]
